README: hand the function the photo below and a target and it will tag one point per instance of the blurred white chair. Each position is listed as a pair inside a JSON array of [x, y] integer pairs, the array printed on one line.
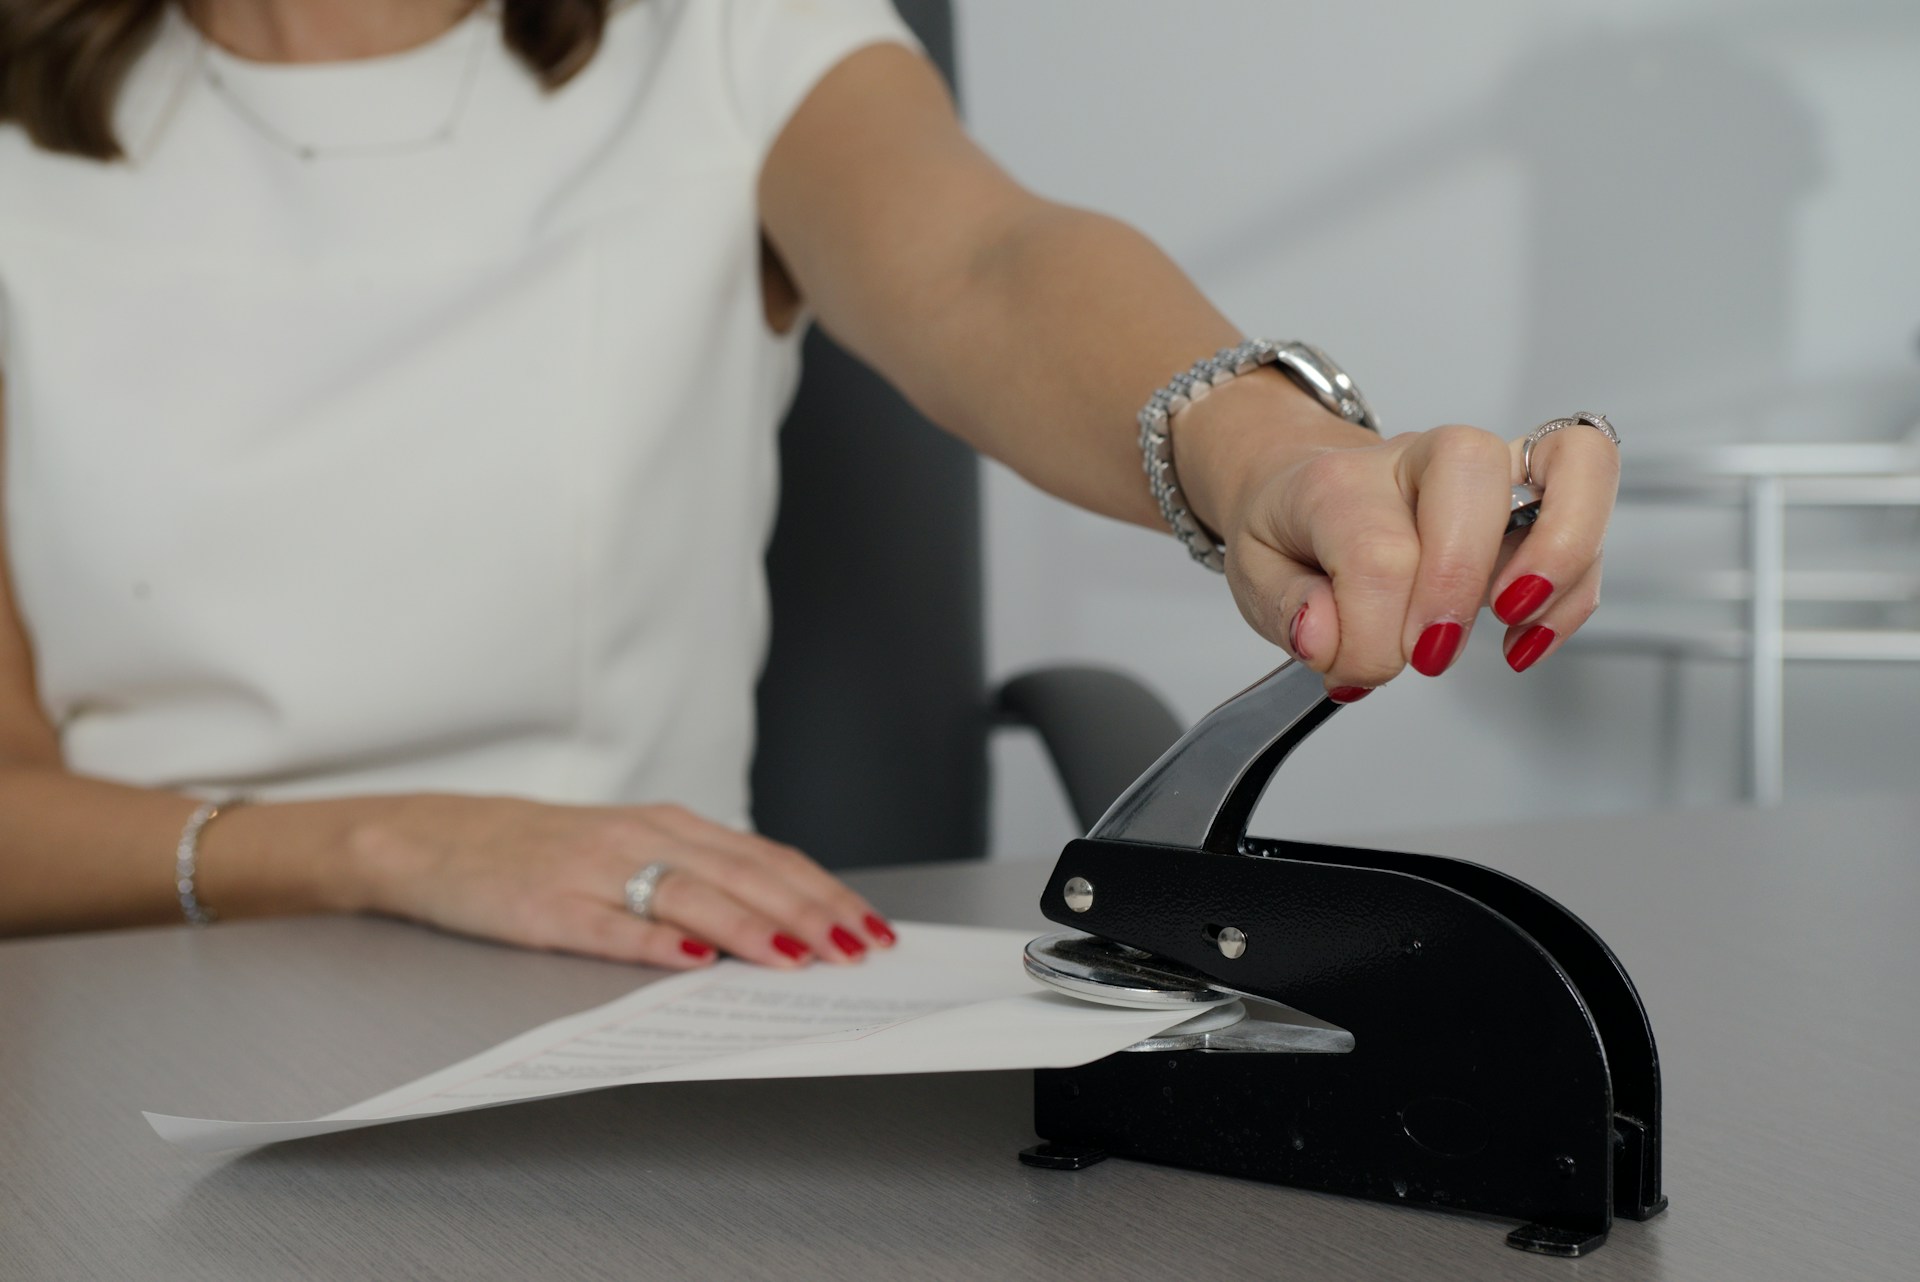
[[1875, 592]]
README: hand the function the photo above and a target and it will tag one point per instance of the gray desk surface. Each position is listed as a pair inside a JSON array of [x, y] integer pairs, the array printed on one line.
[[1777, 952]]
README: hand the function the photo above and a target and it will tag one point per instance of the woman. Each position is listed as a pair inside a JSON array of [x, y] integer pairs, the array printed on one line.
[[390, 389]]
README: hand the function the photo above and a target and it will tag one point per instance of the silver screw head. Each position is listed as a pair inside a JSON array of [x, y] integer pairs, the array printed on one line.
[[1078, 893], [1232, 942]]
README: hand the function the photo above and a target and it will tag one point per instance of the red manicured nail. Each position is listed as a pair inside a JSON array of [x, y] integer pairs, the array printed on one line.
[[1349, 694], [1527, 650], [846, 941], [1293, 635], [878, 928], [790, 946], [695, 949], [1436, 647], [1523, 596]]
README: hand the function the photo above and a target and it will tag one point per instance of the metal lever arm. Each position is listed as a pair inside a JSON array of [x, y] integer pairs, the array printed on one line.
[[1201, 792]]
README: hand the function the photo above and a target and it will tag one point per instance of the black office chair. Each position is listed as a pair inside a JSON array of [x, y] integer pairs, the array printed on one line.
[[873, 710]]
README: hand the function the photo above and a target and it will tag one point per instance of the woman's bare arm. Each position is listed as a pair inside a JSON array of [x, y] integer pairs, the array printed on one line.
[[1036, 331], [80, 853], [983, 302]]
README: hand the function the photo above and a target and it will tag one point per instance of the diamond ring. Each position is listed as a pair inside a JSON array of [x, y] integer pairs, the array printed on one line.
[[641, 887], [1596, 421]]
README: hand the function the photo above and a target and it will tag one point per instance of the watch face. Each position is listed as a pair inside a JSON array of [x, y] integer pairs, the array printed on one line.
[[1315, 371]]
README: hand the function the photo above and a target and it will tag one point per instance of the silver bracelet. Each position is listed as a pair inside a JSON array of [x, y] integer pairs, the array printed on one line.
[[1306, 365], [186, 858]]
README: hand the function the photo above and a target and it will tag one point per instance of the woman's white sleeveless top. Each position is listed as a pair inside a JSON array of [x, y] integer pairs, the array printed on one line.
[[416, 464]]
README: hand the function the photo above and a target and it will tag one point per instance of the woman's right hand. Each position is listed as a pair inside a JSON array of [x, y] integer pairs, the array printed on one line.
[[554, 877]]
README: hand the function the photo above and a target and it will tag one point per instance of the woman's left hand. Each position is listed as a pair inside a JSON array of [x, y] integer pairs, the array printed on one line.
[[1363, 556]]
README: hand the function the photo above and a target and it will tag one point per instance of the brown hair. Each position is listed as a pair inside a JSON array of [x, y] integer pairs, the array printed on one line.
[[62, 61]]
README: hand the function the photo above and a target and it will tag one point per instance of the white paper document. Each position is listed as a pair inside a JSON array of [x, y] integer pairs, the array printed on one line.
[[944, 999]]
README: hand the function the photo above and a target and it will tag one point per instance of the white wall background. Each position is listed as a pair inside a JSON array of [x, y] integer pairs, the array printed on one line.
[[1702, 218]]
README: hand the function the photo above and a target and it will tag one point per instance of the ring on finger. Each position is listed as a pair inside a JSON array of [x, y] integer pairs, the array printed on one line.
[[1584, 418], [641, 887]]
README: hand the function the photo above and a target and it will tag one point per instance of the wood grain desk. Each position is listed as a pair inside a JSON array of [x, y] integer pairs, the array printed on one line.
[[1779, 953]]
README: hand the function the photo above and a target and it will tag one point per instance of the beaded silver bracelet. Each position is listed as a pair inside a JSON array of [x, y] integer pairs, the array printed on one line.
[[186, 859], [1306, 365]]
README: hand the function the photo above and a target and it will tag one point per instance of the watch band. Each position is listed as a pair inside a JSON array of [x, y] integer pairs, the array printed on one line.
[[1306, 365]]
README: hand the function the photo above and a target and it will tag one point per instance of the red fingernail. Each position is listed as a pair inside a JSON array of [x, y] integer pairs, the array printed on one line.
[[1523, 596], [695, 949], [846, 941], [1436, 648], [1527, 650], [1293, 635], [879, 929], [790, 946], [1349, 694]]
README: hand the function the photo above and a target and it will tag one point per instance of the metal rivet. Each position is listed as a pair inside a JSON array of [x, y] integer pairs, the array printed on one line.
[[1232, 942], [1078, 893]]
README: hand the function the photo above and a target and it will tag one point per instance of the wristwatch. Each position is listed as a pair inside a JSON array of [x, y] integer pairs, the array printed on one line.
[[1309, 367]]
